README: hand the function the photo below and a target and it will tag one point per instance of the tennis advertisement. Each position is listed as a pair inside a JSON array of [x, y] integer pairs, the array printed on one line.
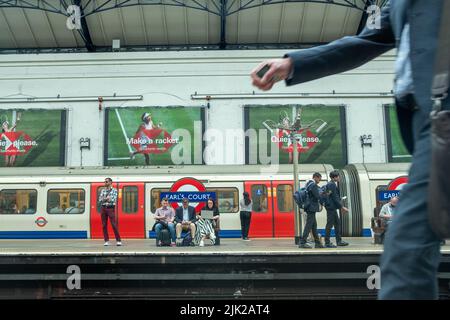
[[153, 135]]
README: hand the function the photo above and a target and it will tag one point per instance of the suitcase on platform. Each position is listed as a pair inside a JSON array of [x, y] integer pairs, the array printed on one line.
[[164, 237]]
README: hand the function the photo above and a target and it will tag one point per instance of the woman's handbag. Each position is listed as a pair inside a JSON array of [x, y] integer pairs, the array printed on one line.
[[439, 187], [439, 184]]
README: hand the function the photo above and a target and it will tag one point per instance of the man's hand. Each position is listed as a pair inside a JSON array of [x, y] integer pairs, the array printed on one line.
[[279, 69], [345, 209]]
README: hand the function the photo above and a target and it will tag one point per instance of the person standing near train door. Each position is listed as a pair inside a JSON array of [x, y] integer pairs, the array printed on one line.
[[246, 215], [108, 200], [333, 205]]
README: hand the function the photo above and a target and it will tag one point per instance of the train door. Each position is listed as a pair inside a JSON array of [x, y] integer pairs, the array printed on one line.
[[262, 221], [283, 208], [129, 210]]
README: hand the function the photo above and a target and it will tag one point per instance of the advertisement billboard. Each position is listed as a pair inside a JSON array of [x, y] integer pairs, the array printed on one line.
[[32, 137]]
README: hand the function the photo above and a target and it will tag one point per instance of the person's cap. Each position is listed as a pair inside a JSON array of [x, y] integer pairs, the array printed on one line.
[[146, 115]]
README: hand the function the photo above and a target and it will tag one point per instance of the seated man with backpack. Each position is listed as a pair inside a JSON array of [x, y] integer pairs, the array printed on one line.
[[165, 217], [311, 205], [185, 219]]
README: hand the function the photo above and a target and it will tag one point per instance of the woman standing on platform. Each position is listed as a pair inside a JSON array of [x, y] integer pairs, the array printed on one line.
[[246, 215]]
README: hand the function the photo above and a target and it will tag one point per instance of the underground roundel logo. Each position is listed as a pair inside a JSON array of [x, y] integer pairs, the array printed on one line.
[[15, 143], [41, 222], [152, 141], [189, 188], [398, 183]]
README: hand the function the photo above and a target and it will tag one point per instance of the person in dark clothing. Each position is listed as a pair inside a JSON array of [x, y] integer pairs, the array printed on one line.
[[410, 261], [333, 204], [312, 206]]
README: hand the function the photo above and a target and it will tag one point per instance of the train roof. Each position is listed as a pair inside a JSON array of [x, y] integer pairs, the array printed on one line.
[[161, 173]]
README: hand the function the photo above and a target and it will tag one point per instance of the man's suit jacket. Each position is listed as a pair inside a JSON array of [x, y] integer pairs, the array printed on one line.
[[347, 53], [334, 202], [179, 214]]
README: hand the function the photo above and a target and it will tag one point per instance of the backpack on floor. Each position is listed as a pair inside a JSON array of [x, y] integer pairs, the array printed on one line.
[[187, 240]]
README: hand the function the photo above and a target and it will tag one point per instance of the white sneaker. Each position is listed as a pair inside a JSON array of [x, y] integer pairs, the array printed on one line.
[[106, 244], [119, 243], [132, 155], [202, 243]]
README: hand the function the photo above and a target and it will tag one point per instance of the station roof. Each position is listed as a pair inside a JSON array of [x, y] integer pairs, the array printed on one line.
[[41, 25]]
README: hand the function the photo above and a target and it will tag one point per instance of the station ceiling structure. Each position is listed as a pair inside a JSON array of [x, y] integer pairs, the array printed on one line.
[[28, 26]]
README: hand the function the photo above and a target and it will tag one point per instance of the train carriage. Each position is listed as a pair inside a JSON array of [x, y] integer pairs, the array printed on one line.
[[62, 202]]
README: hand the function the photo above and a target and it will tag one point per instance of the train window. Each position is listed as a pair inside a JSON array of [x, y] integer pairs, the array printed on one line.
[[227, 199], [259, 197], [99, 205], [14, 201], [155, 202], [65, 201], [285, 198], [130, 199]]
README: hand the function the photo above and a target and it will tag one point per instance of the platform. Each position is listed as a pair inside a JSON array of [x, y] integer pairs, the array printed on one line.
[[260, 268], [267, 246]]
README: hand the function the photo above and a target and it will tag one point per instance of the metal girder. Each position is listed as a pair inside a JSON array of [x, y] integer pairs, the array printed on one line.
[[45, 5], [217, 7], [221, 8]]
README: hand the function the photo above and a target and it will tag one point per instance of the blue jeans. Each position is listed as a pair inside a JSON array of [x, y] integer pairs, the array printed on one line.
[[411, 255], [171, 228]]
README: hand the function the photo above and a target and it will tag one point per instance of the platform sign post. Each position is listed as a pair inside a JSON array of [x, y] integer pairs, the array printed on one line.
[[297, 215], [294, 128]]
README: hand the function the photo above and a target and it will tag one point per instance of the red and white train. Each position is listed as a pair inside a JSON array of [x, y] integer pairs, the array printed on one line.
[[61, 203]]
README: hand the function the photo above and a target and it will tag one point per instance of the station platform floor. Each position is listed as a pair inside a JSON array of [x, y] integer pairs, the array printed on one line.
[[259, 246]]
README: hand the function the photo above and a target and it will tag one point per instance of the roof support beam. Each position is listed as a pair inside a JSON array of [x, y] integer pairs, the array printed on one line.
[[217, 8], [84, 32], [223, 24]]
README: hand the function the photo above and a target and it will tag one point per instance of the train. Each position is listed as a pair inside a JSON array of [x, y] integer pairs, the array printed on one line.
[[61, 203]]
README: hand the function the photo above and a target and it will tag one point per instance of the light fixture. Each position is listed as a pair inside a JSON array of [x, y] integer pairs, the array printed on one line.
[[69, 99], [116, 45]]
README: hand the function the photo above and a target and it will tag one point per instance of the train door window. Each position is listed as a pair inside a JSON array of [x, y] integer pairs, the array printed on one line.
[[99, 205], [227, 199], [285, 198], [65, 201], [156, 201], [13, 201], [130, 199], [259, 197]]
